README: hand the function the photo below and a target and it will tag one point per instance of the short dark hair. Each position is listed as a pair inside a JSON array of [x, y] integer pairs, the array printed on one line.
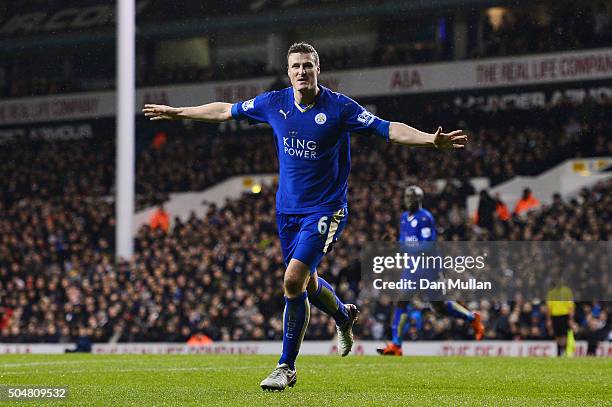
[[303, 48]]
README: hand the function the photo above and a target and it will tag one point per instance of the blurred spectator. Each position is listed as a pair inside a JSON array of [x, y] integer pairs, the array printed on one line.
[[199, 339], [486, 210], [501, 327], [526, 203], [597, 328], [601, 24], [5, 317], [501, 208], [160, 140], [83, 341], [160, 219]]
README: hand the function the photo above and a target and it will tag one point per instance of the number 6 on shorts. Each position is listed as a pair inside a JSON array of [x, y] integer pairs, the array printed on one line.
[[322, 225]]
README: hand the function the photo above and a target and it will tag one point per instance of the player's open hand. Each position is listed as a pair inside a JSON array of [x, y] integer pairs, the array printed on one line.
[[160, 112], [454, 139]]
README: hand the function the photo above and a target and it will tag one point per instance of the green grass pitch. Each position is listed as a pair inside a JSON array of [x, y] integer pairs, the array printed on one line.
[[179, 380]]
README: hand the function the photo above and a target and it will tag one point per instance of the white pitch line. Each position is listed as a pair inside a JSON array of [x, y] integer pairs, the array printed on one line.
[[170, 369], [152, 369], [65, 362], [60, 362]]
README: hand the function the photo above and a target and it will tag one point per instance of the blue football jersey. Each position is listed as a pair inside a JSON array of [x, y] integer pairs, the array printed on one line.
[[312, 144], [417, 227]]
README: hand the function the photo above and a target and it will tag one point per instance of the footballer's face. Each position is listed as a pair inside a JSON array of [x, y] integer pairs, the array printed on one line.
[[412, 199], [303, 71]]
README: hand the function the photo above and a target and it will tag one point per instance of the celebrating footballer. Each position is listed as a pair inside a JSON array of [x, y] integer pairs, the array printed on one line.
[[312, 127]]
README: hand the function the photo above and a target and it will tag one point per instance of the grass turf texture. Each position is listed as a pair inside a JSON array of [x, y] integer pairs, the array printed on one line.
[[147, 380]]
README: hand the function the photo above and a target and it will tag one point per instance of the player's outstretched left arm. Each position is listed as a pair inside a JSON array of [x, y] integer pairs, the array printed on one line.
[[404, 134]]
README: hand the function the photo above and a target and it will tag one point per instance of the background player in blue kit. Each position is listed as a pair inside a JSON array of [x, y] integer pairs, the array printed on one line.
[[417, 224], [311, 126]]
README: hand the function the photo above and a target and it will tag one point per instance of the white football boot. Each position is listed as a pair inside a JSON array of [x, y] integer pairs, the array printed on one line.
[[281, 377], [345, 333]]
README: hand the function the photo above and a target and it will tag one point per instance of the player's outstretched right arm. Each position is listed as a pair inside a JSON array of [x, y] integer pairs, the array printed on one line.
[[212, 112]]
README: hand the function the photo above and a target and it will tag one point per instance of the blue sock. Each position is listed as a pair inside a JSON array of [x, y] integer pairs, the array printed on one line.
[[326, 300], [400, 316], [295, 321], [457, 310]]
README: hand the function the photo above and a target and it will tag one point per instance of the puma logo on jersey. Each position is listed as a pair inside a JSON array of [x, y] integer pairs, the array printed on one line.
[[283, 113]]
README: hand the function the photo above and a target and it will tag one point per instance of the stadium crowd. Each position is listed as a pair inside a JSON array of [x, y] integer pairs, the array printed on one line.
[[86, 167], [567, 26], [218, 275], [505, 141]]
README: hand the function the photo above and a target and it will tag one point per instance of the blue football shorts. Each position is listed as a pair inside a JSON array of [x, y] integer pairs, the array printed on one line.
[[308, 237]]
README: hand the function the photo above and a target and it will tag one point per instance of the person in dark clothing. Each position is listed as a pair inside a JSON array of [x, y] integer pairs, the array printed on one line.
[[486, 210]]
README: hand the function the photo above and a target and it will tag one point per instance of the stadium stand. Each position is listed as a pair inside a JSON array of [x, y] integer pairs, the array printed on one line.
[[518, 30], [217, 275], [504, 143]]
